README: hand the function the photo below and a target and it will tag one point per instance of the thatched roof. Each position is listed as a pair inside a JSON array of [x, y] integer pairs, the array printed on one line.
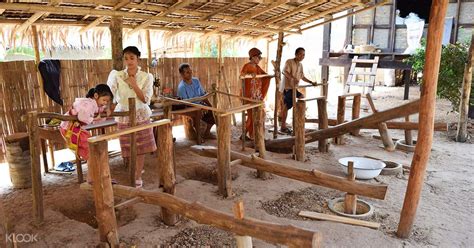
[[257, 19]]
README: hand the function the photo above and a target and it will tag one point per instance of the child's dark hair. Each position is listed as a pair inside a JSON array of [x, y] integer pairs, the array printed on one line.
[[182, 67], [101, 90], [131, 49], [299, 49]]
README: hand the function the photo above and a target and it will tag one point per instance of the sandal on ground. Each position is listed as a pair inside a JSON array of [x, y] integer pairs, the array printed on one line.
[[65, 167], [138, 184], [286, 130]]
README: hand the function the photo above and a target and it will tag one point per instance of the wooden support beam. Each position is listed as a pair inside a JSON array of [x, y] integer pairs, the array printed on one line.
[[277, 70], [165, 162], [100, 19], [426, 117], [103, 194], [178, 5], [148, 49], [454, 37], [320, 14], [28, 22], [381, 116], [323, 145], [259, 137], [117, 42], [248, 16], [340, 219], [43, 99], [341, 112], [118, 133], [36, 183], [132, 161], [383, 129], [208, 16], [273, 233], [356, 111], [223, 157], [299, 131], [462, 134], [392, 24], [309, 176], [408, 136]]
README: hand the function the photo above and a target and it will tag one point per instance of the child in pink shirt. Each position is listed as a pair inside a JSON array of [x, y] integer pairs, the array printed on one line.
[[87, 111]]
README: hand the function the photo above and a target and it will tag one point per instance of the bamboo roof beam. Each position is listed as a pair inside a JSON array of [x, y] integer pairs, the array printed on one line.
[[206, 17], [30, 21], [248, 16], [321, 14], [287, 14], [176, 6], [99, 20], [1, 11], [83, 11]]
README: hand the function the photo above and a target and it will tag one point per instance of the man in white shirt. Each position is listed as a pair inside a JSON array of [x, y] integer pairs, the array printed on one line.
[[292, 74]]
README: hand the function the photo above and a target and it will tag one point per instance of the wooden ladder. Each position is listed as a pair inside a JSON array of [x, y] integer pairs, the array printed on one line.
[[353, 73]]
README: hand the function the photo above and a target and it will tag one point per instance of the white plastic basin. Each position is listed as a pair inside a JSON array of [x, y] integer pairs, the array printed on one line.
[[364, 168]]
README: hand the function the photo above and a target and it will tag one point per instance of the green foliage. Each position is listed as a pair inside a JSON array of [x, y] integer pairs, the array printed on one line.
[[22, 50], [451, 71]]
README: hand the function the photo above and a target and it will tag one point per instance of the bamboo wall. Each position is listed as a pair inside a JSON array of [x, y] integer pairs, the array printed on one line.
[[19, 88]]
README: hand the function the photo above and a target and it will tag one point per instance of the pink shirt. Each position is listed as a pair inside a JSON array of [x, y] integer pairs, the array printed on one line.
[[85, 109]]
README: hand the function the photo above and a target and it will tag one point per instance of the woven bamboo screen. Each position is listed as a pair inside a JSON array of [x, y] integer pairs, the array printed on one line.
[[19, 88]]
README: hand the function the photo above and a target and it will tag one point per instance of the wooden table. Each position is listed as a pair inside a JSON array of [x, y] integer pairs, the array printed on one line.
[[386, 61]]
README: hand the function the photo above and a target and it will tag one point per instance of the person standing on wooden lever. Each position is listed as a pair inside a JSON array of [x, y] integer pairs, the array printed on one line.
[[132, 82], [255, 88], [292, 74]]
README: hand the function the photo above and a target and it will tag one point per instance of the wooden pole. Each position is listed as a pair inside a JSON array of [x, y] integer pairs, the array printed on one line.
[[117, 42], [43, 99], [223, 157], [356, 111], [341, 112], [103, 194], [166, 169], [36, 183], [299, 130], [273, 233], [426, 117], [277, 83], [461, 135], [350, 201], [408, 136], [242, 241], [383, 129], [132, 166], [346, 127], [294, 108], [323, 145], [244, 130], [259, 128], [310, 176], [148, 48]]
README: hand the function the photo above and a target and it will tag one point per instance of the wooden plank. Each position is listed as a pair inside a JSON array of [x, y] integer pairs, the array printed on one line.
[[340, 219], [129, 130]]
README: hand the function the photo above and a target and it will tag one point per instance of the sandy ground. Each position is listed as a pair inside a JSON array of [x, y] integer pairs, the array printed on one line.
[[444, 217]]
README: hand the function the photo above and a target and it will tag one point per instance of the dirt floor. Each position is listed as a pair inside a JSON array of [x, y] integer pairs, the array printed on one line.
[[444, 217]]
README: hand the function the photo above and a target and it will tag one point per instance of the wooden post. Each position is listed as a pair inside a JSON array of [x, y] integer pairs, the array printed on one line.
[[103, 194], [117, 42], [341, 111], [133, 141], [43, 99], [426, 119], [36, 183], [148, 48], [242, 241], [323, 145], [383, 129], [350, 201], [461, 135], [259, 139], [408, 136], [277, 83], [326, 49], [215, 102], [294, 108], [223, 156], [299, 130], [166, 169], [356, 111]]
